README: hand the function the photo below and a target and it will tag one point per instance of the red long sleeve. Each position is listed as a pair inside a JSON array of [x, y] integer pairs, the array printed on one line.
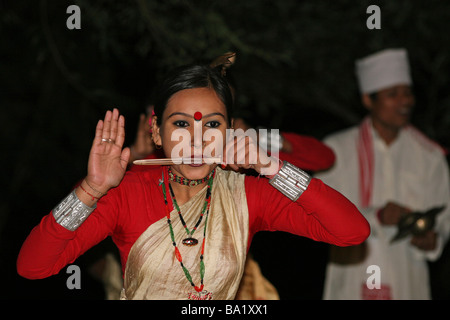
[[50, 247], [126, 212], [120, 214], [321, 213], [308, 153], [46, 248]]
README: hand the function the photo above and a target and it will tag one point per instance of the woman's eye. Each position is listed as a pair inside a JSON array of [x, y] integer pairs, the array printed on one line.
[[181, 123], [213, 124]]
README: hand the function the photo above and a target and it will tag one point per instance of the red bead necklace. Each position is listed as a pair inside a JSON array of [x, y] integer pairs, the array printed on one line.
[[200, 294]]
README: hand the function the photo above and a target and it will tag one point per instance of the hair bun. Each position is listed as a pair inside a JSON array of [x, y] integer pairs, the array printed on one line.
[[225, 61]]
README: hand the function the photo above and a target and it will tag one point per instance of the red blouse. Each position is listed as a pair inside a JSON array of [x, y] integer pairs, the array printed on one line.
[[321, 213]]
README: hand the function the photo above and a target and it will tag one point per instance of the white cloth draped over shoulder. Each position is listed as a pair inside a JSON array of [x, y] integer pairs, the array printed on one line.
[[152, 270]]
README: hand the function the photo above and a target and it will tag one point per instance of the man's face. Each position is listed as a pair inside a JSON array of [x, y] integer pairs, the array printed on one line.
[[392, 106]]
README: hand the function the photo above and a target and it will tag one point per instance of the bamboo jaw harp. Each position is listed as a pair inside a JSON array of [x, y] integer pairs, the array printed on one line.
[[171, 161]]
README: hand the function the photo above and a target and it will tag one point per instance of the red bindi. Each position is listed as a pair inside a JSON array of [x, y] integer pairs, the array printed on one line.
[[198, 116]]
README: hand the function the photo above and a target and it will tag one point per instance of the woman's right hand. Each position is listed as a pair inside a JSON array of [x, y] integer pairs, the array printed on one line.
[[107, 160]]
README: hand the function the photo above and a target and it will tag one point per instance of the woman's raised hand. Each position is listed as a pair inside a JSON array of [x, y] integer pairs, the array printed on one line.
[[107, 160], [242, 151]]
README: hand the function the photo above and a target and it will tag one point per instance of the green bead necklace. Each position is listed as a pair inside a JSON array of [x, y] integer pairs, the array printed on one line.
[[200, 294]]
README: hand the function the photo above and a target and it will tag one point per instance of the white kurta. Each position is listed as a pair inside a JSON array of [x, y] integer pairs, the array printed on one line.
[[412, 172]]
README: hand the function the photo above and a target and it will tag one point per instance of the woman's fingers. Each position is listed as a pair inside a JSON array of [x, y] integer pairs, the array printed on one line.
[[111, 129], [107, 126], [114, 125], [120, 132], [98, 132], [125, 157], [241, 152]]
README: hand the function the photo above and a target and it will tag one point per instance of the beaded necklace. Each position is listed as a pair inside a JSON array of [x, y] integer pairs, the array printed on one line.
[[189, 241], [187, 182], [200, 294]]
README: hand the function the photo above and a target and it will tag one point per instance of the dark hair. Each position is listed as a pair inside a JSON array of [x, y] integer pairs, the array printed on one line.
[[191, 77]]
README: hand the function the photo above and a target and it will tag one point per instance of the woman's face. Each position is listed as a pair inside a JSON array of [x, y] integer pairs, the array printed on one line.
[[178, 120]]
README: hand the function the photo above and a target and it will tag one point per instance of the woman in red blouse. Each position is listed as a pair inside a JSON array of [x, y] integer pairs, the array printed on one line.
[[183, 230]]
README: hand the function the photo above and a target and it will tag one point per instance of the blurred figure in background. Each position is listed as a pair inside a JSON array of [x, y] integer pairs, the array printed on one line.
[[388, 169], [143, 145], [306, 152]]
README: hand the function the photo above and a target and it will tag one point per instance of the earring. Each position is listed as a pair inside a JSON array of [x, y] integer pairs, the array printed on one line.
[[158, 146]]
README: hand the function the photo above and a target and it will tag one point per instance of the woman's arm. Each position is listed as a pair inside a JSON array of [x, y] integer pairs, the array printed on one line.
[[50, 247], [59, 239], [320, 213], [294, 202]]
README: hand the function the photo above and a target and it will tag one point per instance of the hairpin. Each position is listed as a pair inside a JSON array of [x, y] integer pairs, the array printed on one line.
[[225, 61]]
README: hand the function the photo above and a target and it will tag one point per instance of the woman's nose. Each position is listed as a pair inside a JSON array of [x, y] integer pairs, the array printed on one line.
[[197, 138]]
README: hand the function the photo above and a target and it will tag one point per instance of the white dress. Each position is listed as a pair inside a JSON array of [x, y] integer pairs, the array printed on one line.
[[412, 172]]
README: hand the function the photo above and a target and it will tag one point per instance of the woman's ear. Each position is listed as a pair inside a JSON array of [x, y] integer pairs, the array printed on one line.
[[155, 132]]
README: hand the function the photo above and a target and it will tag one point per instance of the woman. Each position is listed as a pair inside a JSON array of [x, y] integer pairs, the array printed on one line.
[[183, 231]]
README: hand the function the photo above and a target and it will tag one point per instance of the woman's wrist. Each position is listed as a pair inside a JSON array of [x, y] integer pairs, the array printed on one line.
[[89, 193], [71, 212], [98, 191], [280, 165], [291, 181]]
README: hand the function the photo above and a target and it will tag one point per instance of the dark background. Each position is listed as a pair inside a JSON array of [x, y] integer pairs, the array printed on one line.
[[294, 71]]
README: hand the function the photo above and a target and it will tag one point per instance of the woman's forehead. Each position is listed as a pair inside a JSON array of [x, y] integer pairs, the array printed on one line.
[[204, 100]]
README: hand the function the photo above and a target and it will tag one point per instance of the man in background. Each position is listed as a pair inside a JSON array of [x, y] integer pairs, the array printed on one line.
[[388, 169]]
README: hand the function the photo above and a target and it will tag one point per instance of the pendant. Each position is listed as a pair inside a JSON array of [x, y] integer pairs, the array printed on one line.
[[203, 295], [190, 242]]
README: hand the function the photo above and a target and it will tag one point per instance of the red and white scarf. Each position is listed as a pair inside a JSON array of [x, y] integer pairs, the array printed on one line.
[[366, 156], [366, 162]]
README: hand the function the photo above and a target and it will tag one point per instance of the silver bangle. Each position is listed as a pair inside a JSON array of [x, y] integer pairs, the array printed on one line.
[[290, 181], [71, 212]]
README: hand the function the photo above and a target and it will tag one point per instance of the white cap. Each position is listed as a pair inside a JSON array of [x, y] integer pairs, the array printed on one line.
[[382, 70]]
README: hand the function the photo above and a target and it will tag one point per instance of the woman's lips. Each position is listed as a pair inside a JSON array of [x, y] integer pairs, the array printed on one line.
[[196, 161], [196, 165]]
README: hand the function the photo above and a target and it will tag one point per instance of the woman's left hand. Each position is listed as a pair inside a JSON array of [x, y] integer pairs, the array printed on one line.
[[242, 151]]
